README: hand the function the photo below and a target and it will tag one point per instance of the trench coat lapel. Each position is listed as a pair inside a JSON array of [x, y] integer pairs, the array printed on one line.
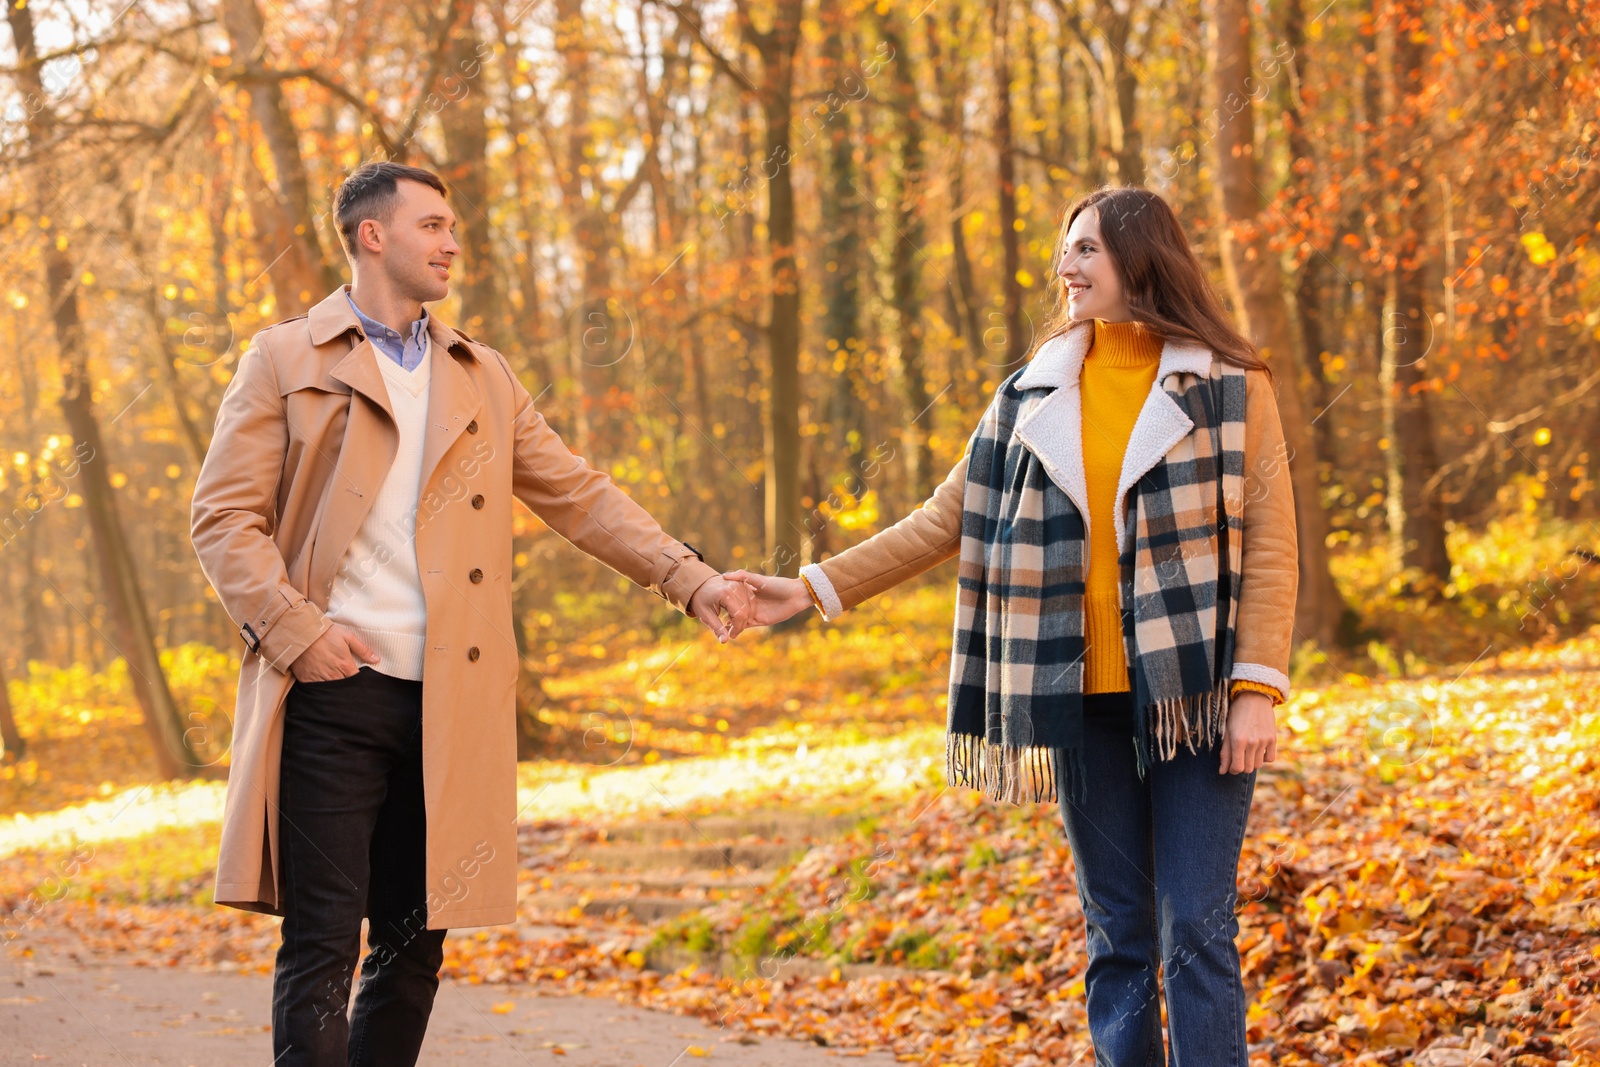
[[365, 456], [369, 442], [1053, 428], [453, 400], [359, 370]]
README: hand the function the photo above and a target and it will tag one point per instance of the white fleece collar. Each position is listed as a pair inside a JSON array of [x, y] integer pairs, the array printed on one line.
[[1059, 360], [1053, 429]]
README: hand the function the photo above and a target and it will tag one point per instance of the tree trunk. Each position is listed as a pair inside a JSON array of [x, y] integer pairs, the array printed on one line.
[[963, 297], [117, 570], [34, 645], [1126, 142], [166, 353], [466, 141], [531, 335], [1017, 336], [905, 244], [1255, 278], [781, 441], [1416, 518], [841, 285], [307, 275], [1310, 296], [10, 738], [596, 329]]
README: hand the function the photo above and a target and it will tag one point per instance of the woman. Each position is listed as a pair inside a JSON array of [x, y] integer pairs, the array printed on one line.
[[1128, 570]]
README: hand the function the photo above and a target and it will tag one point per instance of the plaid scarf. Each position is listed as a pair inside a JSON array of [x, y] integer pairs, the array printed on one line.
[[1016, 670]]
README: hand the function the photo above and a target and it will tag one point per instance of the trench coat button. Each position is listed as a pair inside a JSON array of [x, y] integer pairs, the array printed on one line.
[[475, 576], [472, 427], [472, 653], [477, 501]]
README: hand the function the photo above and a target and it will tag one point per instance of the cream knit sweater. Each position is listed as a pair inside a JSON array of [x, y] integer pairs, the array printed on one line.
[[377, 591]]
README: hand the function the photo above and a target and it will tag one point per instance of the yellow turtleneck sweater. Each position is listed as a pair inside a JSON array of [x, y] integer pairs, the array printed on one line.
[[1118, 372]]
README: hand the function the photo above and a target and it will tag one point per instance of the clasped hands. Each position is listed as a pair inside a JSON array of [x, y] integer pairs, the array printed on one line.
[[730, 602], [752, 599]]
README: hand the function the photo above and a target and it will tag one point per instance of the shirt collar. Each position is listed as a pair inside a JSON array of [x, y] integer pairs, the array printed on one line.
[[373, 327]]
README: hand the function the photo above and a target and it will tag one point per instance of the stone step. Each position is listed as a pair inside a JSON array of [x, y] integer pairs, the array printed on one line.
[[664, 882], [767, 826], [668, 958], [691, 857], [647, 909]]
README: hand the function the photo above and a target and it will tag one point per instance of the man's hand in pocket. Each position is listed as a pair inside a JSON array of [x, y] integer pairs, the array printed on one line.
[[338, 653]]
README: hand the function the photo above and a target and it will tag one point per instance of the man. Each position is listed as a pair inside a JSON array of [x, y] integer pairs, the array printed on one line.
[[354, 516]]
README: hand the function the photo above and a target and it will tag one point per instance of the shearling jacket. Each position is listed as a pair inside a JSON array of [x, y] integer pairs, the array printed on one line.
[[932, 533]]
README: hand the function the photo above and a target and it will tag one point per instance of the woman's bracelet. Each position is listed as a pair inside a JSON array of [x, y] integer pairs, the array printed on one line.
[[817, 601]]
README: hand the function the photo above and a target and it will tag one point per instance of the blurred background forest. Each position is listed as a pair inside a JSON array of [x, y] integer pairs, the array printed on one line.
[[765, 262]]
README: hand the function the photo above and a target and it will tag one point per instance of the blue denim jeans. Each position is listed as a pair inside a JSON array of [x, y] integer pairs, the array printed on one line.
[[353, 838], [1157, 866]]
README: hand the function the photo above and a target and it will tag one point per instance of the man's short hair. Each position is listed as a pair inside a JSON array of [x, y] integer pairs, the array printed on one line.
[[370, 192]]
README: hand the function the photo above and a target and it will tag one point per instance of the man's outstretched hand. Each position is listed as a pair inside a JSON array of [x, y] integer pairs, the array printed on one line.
[[717, 597]]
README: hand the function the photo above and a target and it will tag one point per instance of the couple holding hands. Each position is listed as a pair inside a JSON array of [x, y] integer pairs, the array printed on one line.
[[1125, 528]]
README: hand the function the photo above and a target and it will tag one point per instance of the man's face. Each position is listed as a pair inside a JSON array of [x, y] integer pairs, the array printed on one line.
[[418, 245]]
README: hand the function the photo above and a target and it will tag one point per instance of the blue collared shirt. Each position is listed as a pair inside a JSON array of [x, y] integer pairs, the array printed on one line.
[[406, 351]]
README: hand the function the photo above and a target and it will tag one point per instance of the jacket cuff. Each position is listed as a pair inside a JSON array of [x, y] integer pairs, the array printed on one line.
[[1256, 672], [285, 629], [680, 574], [822, 591], [1242, 686]]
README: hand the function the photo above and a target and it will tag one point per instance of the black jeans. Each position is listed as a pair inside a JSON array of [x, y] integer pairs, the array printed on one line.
[[352, 832]]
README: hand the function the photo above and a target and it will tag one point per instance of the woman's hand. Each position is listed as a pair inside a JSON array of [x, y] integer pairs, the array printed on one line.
[[1251, 736], [776, 599]]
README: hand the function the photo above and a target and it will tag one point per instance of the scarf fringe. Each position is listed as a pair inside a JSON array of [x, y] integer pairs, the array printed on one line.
[[1184, 720], [1017, 774], [1014, 774]]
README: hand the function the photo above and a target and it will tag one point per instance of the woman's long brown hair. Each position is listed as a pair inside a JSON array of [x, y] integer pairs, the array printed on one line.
[[1163, 282]]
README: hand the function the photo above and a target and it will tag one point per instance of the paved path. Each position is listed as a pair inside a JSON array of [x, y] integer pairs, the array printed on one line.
[[57, 1011]]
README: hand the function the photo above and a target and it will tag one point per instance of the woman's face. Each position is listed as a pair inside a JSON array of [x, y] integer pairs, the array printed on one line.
[[1093, 289]]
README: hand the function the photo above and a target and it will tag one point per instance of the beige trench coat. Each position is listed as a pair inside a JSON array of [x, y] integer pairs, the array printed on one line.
[[303, 441]]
